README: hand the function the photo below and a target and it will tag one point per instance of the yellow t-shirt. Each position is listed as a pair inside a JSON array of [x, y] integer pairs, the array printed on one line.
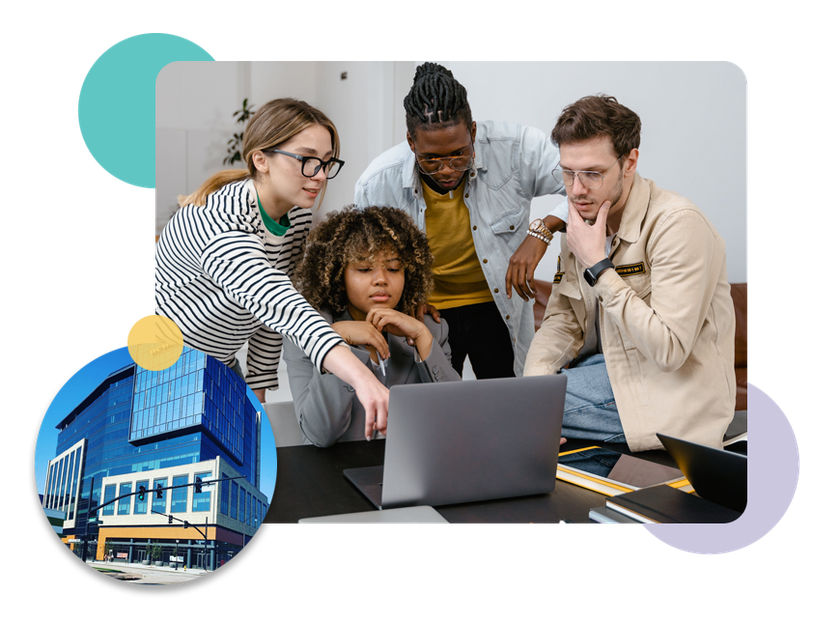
[[459, 280]]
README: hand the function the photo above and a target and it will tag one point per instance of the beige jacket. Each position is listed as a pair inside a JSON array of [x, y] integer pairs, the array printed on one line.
[[667, 321]]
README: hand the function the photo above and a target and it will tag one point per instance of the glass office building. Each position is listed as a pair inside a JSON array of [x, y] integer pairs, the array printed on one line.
[[160, 428]]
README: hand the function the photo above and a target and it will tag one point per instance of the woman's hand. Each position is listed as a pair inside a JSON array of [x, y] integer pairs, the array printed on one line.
[[371, 394], [374, 399], [363, 333], [399, 324]]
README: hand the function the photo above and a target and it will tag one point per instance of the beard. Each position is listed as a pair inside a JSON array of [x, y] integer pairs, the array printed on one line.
[[613, 196]]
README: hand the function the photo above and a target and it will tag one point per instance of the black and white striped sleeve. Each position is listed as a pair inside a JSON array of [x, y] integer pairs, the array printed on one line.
[[236, 261]]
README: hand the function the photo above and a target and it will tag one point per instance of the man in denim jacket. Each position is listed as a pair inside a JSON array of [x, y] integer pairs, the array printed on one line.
[[469, 186]]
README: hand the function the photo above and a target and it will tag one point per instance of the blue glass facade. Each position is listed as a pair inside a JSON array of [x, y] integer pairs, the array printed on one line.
[[196, 394], [138, 420], [102, 419]]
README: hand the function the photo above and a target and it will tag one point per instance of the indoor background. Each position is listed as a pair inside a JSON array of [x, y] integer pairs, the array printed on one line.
[[693, 125]]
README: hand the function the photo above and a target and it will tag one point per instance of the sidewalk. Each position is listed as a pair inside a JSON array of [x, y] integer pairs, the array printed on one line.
[[136, 571]]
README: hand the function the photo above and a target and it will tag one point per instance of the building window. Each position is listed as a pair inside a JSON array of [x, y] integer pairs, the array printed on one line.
[[159, 504], [201, 502], [141, 506], [234, 499], [75, 482], [110, 494], [124, 506], [179, 496], [225, 494], [242, 516]]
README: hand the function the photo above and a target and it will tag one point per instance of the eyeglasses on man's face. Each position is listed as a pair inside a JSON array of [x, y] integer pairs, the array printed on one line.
[[456, 163], [592, 180], [310, 166]]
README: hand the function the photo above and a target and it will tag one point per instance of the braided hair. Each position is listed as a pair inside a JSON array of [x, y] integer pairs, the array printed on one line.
[[435, 98]]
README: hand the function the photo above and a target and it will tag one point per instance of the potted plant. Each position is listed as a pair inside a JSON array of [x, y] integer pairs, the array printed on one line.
[[174, 562], [233, 151], [155, 552]]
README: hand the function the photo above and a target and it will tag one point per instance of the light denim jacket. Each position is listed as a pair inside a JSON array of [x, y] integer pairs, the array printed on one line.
[[512, 165]]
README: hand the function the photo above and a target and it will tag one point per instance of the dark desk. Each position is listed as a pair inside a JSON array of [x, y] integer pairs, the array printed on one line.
[[310, 483]]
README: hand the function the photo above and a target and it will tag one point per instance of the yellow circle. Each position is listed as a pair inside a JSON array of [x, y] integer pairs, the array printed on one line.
[[155, 343]]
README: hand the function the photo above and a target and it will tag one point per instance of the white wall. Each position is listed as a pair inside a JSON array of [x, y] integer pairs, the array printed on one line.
[[693, 116], [196, 101], [693, 122]]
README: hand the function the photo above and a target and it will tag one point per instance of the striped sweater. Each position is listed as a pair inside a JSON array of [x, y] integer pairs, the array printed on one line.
[[224, 279]]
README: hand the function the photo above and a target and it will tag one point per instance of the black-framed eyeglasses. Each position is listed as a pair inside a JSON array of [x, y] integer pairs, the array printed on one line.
[[456, 163], [592, 180], [310, 166]]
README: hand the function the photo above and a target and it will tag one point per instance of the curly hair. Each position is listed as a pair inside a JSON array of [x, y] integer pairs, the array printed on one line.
[[353, 235]]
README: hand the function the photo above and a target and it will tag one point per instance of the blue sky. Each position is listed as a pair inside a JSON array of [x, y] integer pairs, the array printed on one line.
[[86, 380]]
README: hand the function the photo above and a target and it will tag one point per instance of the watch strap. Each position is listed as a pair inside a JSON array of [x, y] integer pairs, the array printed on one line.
[[538, 226], [592, 274]]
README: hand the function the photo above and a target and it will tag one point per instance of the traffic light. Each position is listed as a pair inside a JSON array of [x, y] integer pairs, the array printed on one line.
[[186, 524], [170, 519], [142, 495], [159, 490], [197, 484]]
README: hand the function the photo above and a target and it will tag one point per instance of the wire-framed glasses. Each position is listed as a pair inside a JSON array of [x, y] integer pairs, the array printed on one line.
[[593, 180], [456, 163], [310, 166]]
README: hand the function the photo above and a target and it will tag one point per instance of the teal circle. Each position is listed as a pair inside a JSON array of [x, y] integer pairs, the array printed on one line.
[[117, 103]]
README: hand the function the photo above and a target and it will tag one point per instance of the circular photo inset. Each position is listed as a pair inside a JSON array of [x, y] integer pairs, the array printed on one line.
[[155, 476]]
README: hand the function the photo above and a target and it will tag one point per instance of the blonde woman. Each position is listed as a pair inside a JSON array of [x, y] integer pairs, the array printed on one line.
[[222, 263]]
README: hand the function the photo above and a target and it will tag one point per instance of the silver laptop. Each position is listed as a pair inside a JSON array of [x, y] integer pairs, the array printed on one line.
[[463, 441], [422, 514]]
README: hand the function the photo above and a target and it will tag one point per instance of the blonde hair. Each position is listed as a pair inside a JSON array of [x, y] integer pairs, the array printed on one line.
[[274, 123]]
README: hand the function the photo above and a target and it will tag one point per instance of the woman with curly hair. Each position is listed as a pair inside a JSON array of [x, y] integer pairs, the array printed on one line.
[[366, 271]]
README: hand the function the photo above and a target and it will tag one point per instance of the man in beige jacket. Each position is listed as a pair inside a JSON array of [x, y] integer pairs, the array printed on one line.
[[640, 307]]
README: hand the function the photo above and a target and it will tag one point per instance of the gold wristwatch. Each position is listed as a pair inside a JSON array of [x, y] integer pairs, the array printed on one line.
[[538, 229]]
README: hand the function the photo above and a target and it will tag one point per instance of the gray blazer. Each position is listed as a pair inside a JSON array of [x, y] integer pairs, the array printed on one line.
[[327, 408]]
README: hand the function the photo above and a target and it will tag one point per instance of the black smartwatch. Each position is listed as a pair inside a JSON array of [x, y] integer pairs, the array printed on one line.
[[592, 274]]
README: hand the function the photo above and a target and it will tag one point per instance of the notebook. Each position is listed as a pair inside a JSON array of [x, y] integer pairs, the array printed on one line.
[[717, 475], [464, 441]]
